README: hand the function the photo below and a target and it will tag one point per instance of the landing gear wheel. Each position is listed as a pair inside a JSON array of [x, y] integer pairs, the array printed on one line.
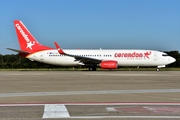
[[92, 68], [157, 69]]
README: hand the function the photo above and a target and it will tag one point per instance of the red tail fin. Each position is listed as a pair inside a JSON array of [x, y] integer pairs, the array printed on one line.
[[26, 40]]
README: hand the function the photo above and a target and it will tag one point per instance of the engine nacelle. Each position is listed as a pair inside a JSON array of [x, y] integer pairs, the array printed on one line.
[[109, 64]]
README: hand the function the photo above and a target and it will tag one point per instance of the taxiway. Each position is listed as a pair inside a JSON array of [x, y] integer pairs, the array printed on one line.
[[37, 89]]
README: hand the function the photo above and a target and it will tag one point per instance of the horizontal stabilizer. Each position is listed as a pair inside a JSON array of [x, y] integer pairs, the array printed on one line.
[[19, 51]]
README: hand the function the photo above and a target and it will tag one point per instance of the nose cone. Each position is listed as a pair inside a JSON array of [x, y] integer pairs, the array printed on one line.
[[172, 60]]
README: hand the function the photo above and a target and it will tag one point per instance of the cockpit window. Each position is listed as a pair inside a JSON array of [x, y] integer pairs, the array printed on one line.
[[164, 54]]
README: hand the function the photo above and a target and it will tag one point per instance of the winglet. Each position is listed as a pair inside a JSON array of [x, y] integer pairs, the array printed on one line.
[[59, 48]]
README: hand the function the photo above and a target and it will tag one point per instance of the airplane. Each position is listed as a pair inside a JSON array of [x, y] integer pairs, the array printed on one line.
[[106, 59]]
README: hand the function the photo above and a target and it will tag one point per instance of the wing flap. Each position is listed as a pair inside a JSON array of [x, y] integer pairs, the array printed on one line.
[[87, 59]]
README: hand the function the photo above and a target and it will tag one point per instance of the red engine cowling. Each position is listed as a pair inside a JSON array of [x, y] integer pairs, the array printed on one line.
[[109, 64]]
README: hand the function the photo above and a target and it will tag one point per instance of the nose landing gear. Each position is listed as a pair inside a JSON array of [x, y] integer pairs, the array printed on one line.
[[160, 66]]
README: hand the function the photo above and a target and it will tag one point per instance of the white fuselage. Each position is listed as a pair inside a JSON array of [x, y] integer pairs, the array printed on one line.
[[123, 57]]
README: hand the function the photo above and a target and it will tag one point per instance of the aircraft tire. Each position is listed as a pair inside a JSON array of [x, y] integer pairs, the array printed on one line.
[[92, 68]]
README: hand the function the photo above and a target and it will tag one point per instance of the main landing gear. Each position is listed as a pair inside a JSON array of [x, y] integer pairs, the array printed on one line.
[[92, 67]]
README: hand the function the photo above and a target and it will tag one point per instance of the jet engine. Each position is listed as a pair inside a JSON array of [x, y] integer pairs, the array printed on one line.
[[109, 64]]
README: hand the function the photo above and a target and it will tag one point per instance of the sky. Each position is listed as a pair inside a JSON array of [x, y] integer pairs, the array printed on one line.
[[93, 24]]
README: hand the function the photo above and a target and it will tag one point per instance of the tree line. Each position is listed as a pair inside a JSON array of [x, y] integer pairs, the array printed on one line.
[[15, 61]]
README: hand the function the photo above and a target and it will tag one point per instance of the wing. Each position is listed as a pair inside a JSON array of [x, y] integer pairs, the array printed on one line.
[[78, 58]]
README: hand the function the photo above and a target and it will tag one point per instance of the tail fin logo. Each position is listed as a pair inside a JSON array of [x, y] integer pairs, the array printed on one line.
[[25, 36], [30, 44]]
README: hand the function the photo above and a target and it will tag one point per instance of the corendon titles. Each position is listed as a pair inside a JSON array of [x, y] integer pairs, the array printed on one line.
[[22, 33], [132, 55]]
